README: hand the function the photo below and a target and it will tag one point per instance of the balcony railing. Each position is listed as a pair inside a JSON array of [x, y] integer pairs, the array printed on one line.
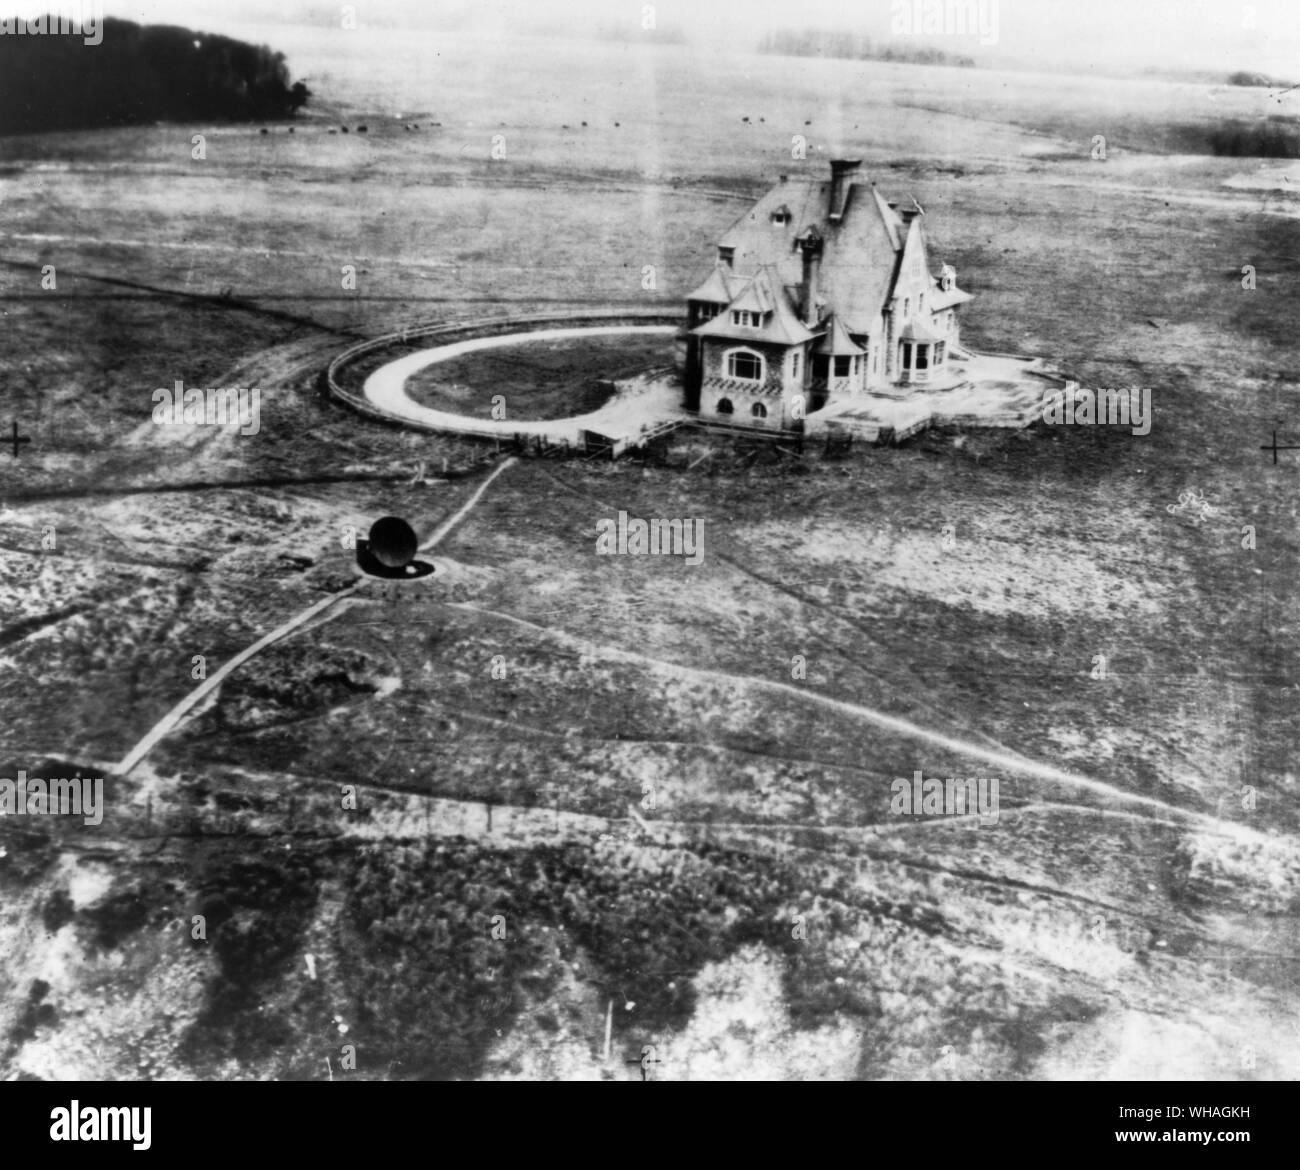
[[770, 385]]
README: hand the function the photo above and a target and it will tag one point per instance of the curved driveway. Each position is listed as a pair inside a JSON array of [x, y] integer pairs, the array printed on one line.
[[624, 415]]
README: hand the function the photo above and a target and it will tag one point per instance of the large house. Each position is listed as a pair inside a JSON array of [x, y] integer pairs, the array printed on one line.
[[821, 292]]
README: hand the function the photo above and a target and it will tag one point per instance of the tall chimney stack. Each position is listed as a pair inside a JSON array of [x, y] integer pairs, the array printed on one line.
[[810, 244], [843, 171]]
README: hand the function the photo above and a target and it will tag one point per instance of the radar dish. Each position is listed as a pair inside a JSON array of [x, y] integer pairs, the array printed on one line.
[[393, 542]]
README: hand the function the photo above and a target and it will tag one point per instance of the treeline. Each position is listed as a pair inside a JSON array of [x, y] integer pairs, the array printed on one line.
[[139, 74], [1273, 138], [1241, 77], [854, 47]]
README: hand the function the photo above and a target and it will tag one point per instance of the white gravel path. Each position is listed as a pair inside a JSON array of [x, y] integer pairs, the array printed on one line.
[[624, 416]]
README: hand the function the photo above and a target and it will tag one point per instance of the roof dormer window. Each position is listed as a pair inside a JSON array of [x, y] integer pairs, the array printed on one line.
[[727, 256], [781, 216], [745, 317]]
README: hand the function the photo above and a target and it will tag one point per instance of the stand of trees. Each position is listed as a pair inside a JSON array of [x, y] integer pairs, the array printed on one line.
[[1241, 77], [824, 43], [1274, 138], [139, 74]]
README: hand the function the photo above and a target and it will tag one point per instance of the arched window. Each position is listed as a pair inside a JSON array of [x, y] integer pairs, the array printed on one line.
[[741, 363], [724, 406], [758, 410]]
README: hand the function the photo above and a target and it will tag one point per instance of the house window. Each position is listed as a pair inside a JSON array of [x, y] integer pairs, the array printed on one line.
[[742, 364], [907, 355], [842, 365], [794, 365], [724, 406], [758, 410], [922, 357], [727, 256], [907, 306], [938, 353], [747, 318], [780, 217]]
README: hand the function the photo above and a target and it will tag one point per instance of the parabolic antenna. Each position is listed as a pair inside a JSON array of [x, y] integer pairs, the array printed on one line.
[[393, 542]]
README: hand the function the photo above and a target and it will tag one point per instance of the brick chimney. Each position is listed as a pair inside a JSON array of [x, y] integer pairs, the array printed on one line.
[[810, 244], [843, 172]]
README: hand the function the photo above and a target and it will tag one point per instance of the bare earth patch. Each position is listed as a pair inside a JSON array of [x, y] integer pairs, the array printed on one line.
[[991, 575]]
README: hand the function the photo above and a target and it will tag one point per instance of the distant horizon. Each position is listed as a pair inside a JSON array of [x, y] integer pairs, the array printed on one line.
[[1173, 38]]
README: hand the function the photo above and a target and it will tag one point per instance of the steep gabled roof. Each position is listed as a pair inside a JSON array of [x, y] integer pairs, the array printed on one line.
[[758, 241], [892, 222], [719, 287], [781, 323], [837, 342], [860, 261], [861, 255], [939, 300], [757, 296], [915, 331]]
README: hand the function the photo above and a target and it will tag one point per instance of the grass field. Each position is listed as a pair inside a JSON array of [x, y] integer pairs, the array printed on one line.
[[759, 911], [547, 380]]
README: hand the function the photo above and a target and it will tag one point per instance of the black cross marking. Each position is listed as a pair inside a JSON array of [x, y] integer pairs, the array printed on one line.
[[641, 1060], [1275, 448], [17, 440]]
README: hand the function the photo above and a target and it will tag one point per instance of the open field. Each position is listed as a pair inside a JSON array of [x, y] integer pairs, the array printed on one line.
[[614, 754]]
